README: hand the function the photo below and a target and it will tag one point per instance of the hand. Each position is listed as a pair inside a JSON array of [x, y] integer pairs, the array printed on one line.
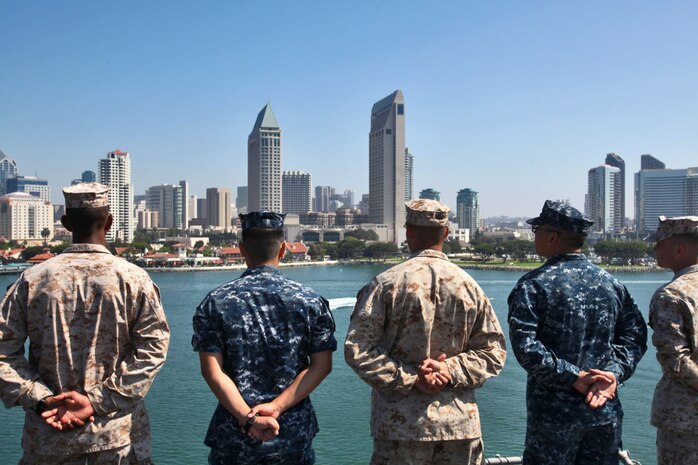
[[269, 409], [603, 388], [68, 410], [263, 428], [434, 375]]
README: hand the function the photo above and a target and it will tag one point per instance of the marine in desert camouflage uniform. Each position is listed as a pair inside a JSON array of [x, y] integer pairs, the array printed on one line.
[[424, 336], [674, 319], [578, 333], [265, 343], [97, 338]]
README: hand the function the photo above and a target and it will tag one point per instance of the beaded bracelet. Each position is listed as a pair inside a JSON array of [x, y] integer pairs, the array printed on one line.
[[248, 424]]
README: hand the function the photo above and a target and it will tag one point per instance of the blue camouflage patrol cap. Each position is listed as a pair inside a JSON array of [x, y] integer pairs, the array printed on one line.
[[262, 220], [562, 216]]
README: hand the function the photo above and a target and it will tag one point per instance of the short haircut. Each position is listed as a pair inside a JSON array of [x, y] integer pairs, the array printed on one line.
[[691, 240], [428, 236], [87, 220], [262, 245], [572, 239]]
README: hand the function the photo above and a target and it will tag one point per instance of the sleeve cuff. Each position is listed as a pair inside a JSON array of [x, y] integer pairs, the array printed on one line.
[[38, 392], [405, 379], [101, 401]]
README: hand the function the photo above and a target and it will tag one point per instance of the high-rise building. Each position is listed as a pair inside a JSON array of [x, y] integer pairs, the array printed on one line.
[[25, 216], [468, 210], [322, 198], [604, 199], [386, 165], [241, 199], [664, 192], [346, 200], [409, 179], [8, 169], [264, 163], [617, 162], [297, 193], [201, 209], [648, 162], [167, 201], [184, 201], [193, 208], [88, 176], [31, 185], [115, 172], [430, 194], [219, 210]]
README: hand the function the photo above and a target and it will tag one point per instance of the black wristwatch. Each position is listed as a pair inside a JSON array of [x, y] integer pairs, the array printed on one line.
[[40, 406]]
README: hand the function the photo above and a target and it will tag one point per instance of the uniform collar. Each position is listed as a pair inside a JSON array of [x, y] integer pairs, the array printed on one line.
[[429, 253], [687, 270], [565, 257], [82, 248], [255, 270]]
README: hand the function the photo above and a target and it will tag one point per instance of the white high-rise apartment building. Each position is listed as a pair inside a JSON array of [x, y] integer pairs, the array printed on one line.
[[297, 193], [386, 165], [25, 216], [664, 192], [115, 172], [184, 186], [264, 163], [468, 210], [604, 199]]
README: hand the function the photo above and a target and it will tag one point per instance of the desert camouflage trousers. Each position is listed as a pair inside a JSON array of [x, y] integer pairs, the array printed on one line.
[[465, 452], [676, 448], [131, 454]]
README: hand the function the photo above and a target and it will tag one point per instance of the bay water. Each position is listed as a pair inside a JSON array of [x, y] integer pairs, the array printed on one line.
[[180, 404]]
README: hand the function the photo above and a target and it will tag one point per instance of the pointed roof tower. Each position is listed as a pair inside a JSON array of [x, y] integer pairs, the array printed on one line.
[[266, 119]]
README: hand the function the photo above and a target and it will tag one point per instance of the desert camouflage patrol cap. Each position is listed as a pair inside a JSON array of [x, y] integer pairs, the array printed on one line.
[[86, 195], [424, 212], [673, 226], [262, 220], [563, 217]]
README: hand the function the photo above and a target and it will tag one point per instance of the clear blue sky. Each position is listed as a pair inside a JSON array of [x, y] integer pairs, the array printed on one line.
[[516, 100]]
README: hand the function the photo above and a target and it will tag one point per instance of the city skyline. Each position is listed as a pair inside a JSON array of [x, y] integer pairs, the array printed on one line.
[[515, 101]]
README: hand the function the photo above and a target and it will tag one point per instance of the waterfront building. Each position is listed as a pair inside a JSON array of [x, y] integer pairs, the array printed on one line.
[[409, 170], [296, 192], [468, 210], [322, 198], [241, 199], [25, 217], [604, 199], [648, 162], [616, 161], [201, 209], [115, 172], [8, 169], [30, 185], [218, 208], [147, 219], [168, 201], [193, 210], [264, 163], [184, 201], [668, 192], [430, 194], [386, 165]]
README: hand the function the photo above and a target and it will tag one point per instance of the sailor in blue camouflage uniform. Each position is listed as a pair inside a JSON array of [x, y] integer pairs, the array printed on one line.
[[265, 343], [578, 333]]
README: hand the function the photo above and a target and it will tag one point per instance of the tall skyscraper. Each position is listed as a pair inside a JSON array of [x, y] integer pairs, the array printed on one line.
[[430, 194], [409, 179], [297, 193], [184, 201], [322, 198], [31, 185], [648, 162], [25, 216], [664, 192], [468, 210], [386, 165], [8, 169], [167, 200], [604, 199], [115, 172], [264, 163], [241, 199], [219, 210], [193, 208], [88, 176], [617, 162]]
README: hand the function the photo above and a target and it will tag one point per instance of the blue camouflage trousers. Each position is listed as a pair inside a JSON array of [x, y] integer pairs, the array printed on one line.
[[305, 457], [553, 443]]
